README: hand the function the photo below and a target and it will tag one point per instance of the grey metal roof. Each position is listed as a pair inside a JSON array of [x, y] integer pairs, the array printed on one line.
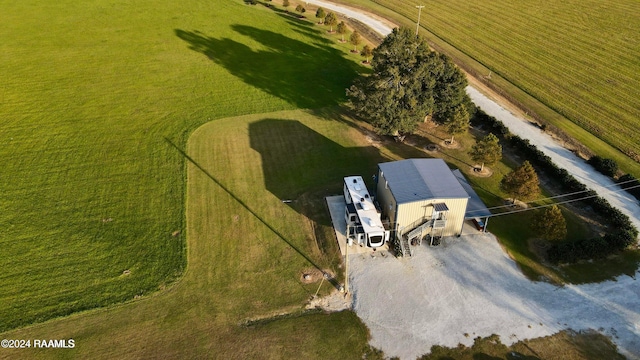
[[475, 206], [421, 179]]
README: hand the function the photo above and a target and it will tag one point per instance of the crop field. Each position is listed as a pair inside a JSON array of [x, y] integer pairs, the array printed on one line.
[[579, 58], [92, 194], [107, 109]]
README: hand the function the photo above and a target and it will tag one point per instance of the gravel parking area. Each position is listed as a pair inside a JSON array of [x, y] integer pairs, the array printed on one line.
[[468, 287]]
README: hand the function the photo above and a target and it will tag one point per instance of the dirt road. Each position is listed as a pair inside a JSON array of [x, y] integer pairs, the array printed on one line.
[[469, 287]]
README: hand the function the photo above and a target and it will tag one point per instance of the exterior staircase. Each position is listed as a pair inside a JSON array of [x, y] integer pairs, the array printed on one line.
[[404, 245], [418, 231]]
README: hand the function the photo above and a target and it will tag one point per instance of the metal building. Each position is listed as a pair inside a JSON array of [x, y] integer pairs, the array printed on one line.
[[421, 198]]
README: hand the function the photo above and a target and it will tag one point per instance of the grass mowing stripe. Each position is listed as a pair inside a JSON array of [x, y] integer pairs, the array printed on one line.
[[93, 201]]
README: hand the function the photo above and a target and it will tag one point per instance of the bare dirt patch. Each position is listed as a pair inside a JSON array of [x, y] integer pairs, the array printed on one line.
[[313, 275], [336, 301], [432, 148]]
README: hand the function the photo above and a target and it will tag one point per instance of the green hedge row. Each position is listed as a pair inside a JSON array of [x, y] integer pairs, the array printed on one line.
[[624, 235]]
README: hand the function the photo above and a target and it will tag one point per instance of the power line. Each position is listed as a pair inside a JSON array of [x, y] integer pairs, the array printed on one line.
[[569, 194], [558, 203]]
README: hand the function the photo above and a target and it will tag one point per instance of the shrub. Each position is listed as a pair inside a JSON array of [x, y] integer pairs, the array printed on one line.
[[593, 248], [630, 184], [480, 118], [605, 166], [620, 239], [625, 233]]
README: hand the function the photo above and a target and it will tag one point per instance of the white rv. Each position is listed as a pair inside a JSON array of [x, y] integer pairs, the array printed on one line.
[[363, 220]]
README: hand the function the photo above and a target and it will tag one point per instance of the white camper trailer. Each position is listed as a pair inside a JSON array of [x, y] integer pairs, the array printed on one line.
[[363, 220]]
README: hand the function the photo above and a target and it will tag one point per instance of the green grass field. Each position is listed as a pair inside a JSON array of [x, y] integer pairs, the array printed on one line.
[[580, 59], [108, 108], [246, 253], [92, 197]]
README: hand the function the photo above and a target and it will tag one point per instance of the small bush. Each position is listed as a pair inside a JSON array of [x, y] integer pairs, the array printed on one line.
[[605, 166], [625, 233], [630, 184], [620, 239], [480, 118]]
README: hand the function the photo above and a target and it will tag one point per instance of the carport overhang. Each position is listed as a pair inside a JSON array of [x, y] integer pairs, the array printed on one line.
[[475, 207]]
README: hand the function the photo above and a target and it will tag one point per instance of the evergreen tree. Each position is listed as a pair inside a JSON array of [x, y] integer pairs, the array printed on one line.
[[522, 183], [487, 150], [550, 224]]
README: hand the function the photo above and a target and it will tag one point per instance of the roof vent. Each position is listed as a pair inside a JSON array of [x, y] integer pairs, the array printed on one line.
[[355, 181]]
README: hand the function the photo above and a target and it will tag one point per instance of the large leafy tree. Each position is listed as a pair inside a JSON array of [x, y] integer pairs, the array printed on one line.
[[487, 151], [408, 83], [449, 92], [550, 224], [522, 183]]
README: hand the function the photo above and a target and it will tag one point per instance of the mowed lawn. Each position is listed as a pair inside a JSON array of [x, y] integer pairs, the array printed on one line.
[[247, 251], [579, 58], [92, 197]]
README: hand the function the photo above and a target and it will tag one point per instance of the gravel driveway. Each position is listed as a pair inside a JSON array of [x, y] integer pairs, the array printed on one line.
[[560, 156], [469, 287]]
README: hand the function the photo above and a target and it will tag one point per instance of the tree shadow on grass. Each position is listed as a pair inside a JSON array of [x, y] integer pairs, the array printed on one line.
[[297, 160], [246, 206], [305, 75]]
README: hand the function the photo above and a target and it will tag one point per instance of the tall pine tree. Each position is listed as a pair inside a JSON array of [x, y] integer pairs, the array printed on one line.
[[487, 150], [522, 183], [550, 224]]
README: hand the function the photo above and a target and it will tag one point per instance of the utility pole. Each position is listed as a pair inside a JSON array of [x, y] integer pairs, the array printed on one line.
[[418, 23]]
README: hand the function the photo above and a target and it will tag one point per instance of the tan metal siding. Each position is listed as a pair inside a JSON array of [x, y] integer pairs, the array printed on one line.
[[455, 216], [411, 214]]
